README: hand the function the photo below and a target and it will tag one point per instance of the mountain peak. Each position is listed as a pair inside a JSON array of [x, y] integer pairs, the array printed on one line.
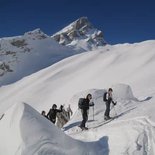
[[80, 34], [82, 22], [36, 34]]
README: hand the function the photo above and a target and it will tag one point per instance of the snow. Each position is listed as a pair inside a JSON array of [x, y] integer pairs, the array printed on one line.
[[42, 138], [29, 53], [131, 132], [127, 68]]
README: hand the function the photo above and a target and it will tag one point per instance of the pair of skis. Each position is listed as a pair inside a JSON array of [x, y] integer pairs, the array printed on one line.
[[102, 123], [80, 130], [99, 124]]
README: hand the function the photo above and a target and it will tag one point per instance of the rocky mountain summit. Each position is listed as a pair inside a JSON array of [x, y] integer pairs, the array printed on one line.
[[81, 35]]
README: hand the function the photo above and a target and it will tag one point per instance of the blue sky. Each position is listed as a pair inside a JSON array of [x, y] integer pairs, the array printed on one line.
[[120, 20]]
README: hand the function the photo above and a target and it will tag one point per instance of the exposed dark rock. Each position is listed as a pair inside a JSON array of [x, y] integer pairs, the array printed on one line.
[[19, 43], [4, 68], [81, 29]]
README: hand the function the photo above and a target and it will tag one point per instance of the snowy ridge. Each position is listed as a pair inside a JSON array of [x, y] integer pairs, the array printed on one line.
[[42, 138], [80, 35]]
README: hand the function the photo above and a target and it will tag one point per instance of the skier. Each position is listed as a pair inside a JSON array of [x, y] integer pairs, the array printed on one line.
[[84, 104], [108, 99], [52, 113]]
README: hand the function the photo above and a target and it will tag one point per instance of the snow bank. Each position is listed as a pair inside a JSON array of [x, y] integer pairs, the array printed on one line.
[[10, 131], [130, 137], [123, 92], [29, 133]]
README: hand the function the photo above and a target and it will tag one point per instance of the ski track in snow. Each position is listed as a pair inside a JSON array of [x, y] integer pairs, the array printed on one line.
[[137, 133]]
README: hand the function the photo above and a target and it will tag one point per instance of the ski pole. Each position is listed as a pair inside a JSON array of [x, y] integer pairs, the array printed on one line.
[[113, 107], [93, 113], [115, 111], [76, 112]]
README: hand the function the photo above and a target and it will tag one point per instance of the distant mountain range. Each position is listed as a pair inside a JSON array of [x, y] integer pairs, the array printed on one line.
[[23, 55]]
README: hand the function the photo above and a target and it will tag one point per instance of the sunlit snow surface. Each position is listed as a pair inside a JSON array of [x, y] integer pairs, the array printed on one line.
[[127, 68]]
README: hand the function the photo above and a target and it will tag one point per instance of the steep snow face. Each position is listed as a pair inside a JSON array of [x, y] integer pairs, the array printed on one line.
[[123, 92], [29, 133], [80, 35], [24, 55]]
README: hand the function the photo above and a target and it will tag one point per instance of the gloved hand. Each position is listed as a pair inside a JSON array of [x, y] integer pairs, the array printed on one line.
[[61, 107], [92, 104], [114, 103]]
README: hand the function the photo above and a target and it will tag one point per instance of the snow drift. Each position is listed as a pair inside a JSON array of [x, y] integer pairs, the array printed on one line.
[[123, 92], [29, 133]]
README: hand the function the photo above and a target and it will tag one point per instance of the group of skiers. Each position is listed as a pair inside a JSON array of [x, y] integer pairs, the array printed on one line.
[[59, 116], [63, 116], [85, 103]]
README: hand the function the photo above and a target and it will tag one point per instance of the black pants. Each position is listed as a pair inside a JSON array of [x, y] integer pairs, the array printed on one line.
[[107, 111], [85, 118], [53, 120]]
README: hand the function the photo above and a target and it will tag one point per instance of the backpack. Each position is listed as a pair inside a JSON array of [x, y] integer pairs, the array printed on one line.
[[105, 97], [80, 103]]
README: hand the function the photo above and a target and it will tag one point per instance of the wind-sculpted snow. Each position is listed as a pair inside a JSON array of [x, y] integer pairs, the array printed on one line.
[[29, 133]]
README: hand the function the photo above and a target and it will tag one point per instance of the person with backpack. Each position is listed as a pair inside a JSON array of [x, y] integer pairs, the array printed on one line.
[[108, 100], [84, 104], [52, 113]]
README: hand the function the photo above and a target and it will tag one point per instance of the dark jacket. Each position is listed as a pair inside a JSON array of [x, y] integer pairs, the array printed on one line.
[[85, 104], [52, 113], [108, 99]]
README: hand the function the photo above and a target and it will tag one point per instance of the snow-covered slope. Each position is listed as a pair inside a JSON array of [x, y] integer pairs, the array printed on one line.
[[43, 138], [128, 63], [23, 55], [131, 133], [80, 35]]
